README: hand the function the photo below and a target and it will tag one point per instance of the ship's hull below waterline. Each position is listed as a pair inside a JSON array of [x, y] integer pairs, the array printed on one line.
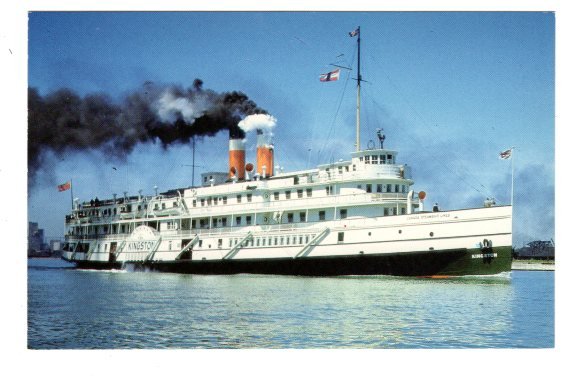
[[459, 262]]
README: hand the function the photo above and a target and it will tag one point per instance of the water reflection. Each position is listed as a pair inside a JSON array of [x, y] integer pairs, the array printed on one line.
[[157, 310]]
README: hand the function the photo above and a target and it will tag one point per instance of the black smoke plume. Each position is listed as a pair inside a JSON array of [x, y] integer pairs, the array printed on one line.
[[64, 121]]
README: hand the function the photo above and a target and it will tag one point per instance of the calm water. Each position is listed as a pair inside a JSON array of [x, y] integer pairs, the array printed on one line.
[[74, 309]]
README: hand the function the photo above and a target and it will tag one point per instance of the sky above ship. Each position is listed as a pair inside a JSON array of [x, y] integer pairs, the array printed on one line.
[[450, 90]]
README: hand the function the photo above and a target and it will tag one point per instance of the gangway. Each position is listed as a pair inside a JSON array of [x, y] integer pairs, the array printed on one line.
[[309, 245], [232, 251]]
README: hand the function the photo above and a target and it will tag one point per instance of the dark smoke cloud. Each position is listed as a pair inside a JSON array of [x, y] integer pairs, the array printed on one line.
[[64, 121]]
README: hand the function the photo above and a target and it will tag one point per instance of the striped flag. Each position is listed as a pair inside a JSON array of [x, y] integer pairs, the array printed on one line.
[[330, 76], [506, 154], [64, 187], [354, 32]]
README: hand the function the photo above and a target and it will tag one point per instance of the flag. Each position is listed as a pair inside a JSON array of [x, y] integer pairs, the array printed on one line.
[[354, 32], [506, 154], [64, 187], [330, 76]]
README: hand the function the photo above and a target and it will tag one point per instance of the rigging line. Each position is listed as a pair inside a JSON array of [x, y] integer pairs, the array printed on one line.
[[339, 106], [332, 124], [423, 121], [442, 163]]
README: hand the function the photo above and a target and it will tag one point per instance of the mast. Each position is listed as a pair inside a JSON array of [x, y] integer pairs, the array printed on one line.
[[358, 80]]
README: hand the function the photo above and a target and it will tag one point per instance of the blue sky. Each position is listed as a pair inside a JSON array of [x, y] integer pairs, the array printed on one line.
[[451, 90]]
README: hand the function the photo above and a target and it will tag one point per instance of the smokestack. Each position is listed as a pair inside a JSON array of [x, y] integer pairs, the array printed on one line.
[[264, 154], [236, 155]]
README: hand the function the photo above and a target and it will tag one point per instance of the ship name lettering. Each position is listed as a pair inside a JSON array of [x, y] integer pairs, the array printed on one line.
[[484, 255], [140, 245]]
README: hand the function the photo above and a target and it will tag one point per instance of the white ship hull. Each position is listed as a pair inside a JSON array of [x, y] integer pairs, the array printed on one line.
[[472, 241]]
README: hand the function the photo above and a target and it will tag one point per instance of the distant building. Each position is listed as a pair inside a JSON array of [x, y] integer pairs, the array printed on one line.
[[35, 237]]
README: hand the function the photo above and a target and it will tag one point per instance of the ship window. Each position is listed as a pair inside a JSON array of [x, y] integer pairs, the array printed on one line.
[[202, 203], [249, 197], [369, 188], [219, 243], [174, 204], [390, 159], [374, 159], [163, 205], [307, 239], [386, 213], [347, 169], [361, 158], [300, 193], [403, 210], [287, 195], [282, 241], [367, 159], [225, 200], [340, 237], [327, 191], [354, 167], [382, 159], [276, 195], [394, 211], [302, 216], [343, 213], [339, 169], [248, 220], [214, 223], [431, 234], [287, 240], [209, 202], [290, 217], [258, 242], [275, 241], [300, 240], [238, 220], [396, 188], [239, 198], [388, 187], [215, 201], [269, 241], [224, 221], [296, 180], [193, 203], [309, 192], [199, 243], [379, 188], [322, 215], [193, 223]]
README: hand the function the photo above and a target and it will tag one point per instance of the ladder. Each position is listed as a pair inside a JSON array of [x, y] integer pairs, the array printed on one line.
[[188, 246], [308, 246], [232, 251], [91, 251], [151, 254], [74, 251], [119, 250]]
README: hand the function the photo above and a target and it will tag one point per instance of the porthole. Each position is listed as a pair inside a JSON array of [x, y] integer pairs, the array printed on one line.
[[431, 234], [399, 231], [369, 233]]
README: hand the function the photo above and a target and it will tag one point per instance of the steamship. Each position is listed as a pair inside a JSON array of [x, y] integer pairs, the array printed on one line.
[[358, 216]]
